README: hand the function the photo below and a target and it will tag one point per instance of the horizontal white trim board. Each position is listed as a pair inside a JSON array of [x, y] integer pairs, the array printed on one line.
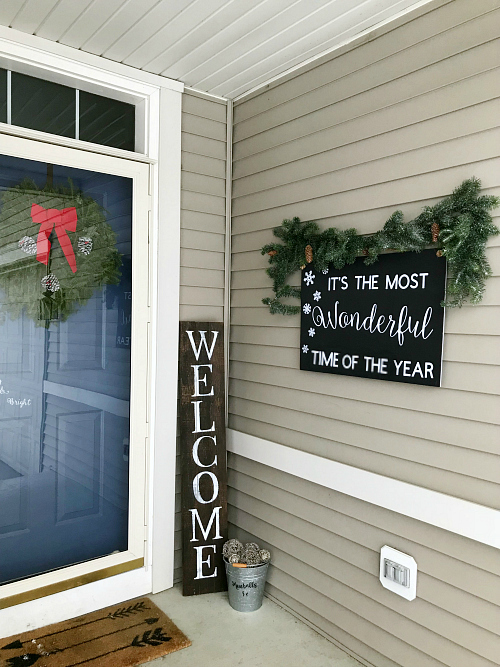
[[462, 517], [26, 133]]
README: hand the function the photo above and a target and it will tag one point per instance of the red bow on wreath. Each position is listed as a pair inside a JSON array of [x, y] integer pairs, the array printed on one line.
[[64, 221]]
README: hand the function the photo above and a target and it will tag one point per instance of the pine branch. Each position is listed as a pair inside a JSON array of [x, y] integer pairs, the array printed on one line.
[[463, 219]]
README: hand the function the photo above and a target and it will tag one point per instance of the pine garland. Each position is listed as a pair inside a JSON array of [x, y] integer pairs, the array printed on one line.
[[460, 224], [24, 281]]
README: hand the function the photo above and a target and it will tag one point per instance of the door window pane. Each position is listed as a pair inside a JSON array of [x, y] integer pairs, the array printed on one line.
[[65, 319], [43, 105], [50, 107], [107, 122]]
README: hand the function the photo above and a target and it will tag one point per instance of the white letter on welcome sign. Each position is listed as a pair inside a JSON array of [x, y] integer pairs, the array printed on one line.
[[197, 419], [198, 380], [205, 532], [203, 342], [200, 562]]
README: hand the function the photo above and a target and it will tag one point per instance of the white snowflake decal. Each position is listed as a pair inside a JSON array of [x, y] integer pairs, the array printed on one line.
[[306, 308], [309, 278], [317, 296], [311, 331], [305, 348], [325, 271]]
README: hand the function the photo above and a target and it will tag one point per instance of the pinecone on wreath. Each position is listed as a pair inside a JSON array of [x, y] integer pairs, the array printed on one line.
[[309, 254], [85, 245], [50, 283], [28, 245], [435, 232]]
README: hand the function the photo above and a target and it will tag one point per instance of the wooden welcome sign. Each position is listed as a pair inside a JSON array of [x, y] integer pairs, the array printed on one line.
[[203, 456]]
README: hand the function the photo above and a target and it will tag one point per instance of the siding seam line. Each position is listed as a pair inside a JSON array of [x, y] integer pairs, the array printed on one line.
[[319, 416], [363, 115]]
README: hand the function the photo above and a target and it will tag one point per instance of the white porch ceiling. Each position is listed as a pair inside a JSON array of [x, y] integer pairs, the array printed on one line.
[[223, 47]]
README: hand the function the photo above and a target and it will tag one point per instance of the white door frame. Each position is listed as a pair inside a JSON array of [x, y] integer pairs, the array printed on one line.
[[139, 428], [158, 119]]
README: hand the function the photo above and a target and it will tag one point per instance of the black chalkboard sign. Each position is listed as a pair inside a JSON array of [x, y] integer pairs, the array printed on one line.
[[382, 321]]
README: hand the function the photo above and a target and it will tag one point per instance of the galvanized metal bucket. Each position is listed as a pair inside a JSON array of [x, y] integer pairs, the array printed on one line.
[[245, 586]]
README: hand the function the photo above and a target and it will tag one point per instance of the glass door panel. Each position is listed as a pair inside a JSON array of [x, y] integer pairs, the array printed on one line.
[[65, 335]]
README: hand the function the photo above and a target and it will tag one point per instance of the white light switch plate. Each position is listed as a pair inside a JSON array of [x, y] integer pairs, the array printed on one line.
[[408, 591]]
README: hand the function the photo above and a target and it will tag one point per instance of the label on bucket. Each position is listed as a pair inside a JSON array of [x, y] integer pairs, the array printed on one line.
[[238, 587]]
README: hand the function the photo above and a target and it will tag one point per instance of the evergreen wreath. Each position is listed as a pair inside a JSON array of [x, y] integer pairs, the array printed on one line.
[[49, 274], [460, 225]]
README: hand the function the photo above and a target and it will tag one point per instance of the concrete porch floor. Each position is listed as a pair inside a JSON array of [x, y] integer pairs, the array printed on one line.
[[222, 637]]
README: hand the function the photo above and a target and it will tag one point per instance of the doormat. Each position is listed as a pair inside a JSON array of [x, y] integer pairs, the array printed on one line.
[[118, 636]]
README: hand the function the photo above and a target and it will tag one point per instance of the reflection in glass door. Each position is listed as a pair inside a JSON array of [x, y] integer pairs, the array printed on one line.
[[65, 323]]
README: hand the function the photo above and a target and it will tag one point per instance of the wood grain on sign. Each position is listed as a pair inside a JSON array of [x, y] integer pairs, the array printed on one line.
[[203, 456]]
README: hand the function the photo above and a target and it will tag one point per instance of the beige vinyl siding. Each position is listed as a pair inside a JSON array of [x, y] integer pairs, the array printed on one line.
[[326, 549], [203, 225], [392, 123]]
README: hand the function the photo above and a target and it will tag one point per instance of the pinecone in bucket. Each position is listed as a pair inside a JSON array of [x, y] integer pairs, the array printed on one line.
[[232, 547], [250, 554], [251, 557]]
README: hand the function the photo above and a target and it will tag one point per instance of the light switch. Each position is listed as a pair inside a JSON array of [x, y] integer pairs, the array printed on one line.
[[398, 572]]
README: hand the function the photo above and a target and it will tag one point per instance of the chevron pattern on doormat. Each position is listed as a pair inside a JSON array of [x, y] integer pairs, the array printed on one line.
[[123, 635]]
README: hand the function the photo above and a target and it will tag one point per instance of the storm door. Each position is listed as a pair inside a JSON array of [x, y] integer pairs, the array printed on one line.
[[67, 302]]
